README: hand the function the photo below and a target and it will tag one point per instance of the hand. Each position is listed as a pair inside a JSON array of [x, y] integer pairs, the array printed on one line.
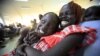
[[31, 38], [20, 50]]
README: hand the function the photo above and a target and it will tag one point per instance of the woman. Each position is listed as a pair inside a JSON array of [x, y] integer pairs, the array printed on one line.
[[67, 40], [70, 14], [60, 43]]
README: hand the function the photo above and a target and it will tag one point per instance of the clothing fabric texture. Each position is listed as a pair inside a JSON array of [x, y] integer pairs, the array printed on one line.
[[48, 42], [94, 49]]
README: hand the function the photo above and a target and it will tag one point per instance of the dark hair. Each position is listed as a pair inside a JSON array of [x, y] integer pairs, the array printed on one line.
[[92, 13], [77, 9], [55, 18]]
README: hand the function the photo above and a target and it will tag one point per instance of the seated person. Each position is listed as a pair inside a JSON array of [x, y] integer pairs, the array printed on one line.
[[49, 42], [47, 26], [70, 14], [61, 42], [91, 18], [71, 37], [23, 33]]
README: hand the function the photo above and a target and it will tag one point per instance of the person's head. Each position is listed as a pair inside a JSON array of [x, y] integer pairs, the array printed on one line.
[[49, 24], [34, 20], [92, 13], [70, 14]]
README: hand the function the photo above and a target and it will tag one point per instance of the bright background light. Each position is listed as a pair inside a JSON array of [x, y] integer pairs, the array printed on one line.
[[24, 12], [21, 0], [1, 21]]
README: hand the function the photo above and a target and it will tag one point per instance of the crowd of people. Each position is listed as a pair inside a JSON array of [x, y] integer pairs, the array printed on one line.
[[75, 32], [12, 30], [7, 32]]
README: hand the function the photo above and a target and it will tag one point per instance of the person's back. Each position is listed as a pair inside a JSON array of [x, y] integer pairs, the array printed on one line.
[[92, 18], [48, 25], [93, 24]]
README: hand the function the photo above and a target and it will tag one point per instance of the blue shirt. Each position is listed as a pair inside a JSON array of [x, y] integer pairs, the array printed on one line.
[[94, 49]]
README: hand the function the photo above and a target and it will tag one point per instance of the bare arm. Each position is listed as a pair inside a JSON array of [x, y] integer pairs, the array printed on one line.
[[60, 49]]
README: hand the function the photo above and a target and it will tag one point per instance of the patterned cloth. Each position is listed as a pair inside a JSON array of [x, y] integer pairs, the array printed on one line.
[[94, 49], [48, 42]]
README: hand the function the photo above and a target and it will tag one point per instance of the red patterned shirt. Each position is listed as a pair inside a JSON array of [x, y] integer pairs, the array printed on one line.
[[48, 42]]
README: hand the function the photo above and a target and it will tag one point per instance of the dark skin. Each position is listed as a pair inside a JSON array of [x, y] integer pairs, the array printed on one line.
[[64, 46], [48, 21], [58, 50], [92, 13], [70, 14], [67, 15], [44, 26]]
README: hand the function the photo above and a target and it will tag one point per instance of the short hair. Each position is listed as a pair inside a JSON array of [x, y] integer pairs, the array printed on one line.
[[92, 13]]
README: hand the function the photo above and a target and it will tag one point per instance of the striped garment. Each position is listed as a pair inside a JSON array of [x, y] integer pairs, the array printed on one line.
[[48, 42]]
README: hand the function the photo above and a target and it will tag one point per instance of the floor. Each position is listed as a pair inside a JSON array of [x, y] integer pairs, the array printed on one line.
[[10, 45]]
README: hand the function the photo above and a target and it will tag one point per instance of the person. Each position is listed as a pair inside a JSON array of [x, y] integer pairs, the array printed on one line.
[[59, 43], [70, 14], [49, 21], [51, 49], [40, 16], [34, 24], [71, 37], [2, 38], [91, 18], [48, 44], [23, 33]]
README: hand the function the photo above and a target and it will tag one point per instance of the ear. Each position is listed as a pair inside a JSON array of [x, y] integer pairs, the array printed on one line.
[[40, 16]]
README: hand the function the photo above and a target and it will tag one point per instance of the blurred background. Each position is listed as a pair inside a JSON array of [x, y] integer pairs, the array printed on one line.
[[23, 11]]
